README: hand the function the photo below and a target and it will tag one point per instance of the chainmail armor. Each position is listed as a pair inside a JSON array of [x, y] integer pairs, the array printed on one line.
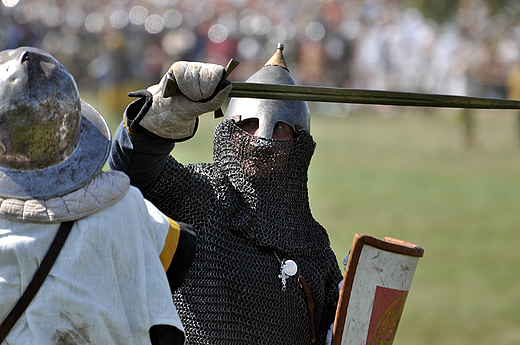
[[251, 202]]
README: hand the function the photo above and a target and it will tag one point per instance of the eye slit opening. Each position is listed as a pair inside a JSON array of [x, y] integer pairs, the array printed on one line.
[[250, 125]]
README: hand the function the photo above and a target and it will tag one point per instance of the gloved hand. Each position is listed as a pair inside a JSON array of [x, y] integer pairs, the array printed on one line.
[[175, 117]]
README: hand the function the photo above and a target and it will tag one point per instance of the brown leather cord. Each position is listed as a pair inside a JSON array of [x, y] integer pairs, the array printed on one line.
[[310, 304], [308, 298], [37, 281]]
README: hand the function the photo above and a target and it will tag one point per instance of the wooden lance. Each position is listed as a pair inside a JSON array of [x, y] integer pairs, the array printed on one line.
[[348, 95]]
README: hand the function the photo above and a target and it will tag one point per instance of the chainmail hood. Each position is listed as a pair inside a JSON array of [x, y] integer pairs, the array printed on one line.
[[271, 177]]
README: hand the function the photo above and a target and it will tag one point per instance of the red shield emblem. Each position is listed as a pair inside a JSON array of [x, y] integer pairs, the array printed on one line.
[[387, 311]]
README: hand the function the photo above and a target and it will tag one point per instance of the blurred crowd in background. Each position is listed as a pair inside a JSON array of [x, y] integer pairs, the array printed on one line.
[[112, 47]]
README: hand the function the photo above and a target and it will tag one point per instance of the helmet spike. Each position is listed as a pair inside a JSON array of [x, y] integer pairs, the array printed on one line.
[[277, 59]]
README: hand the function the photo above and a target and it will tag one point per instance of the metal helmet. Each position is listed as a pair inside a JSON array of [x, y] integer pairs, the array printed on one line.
[[51, 142], [269, 112]]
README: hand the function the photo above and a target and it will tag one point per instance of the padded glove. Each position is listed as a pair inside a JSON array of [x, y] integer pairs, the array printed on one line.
[[201, 91]]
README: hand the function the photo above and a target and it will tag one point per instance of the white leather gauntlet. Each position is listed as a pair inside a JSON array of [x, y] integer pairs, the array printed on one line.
[[175, 117]]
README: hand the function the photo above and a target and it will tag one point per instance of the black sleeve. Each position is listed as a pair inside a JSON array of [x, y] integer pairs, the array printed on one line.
[[166, 335], [183, 257]]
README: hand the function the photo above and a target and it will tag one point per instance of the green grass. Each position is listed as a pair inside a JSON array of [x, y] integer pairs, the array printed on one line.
[[407, 174]]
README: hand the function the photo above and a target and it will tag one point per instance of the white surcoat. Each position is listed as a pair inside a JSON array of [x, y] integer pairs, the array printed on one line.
[[107, 286]]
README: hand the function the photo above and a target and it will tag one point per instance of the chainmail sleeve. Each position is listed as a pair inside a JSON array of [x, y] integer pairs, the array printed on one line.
[[182, 193]]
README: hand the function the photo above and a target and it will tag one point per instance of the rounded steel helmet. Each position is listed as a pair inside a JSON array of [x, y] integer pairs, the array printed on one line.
[[51, 142], [267, 111]]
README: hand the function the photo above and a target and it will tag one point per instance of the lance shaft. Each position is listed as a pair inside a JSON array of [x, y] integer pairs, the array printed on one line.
[[362, 96]]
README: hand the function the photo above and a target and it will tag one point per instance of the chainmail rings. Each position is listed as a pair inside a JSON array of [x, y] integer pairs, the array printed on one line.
[[250, 202]]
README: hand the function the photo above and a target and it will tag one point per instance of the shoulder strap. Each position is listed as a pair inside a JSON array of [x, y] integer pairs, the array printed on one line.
[[37, 281]]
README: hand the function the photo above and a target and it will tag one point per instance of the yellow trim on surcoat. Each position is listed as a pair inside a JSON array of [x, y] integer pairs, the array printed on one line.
[[170, 245]]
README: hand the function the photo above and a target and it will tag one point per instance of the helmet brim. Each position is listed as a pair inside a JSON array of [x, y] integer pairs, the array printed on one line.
[[87, 160]]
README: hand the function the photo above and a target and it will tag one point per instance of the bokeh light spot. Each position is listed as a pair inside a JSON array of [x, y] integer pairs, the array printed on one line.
[[315, 31], [138, 15], [119, 19], [75, 18], [218, 33], [172, 19], [10, 3], [154, 24], [94, 22]]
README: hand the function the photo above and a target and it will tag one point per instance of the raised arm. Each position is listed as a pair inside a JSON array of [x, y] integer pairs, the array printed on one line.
[[153, 124]]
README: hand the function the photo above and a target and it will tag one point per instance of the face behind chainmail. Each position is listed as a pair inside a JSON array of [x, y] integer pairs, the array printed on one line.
[[271, 175]]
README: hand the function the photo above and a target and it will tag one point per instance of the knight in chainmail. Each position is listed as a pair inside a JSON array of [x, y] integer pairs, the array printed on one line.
[[264, 271]]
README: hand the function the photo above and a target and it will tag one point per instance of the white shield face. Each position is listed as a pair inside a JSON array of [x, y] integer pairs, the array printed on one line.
[[378, 277]]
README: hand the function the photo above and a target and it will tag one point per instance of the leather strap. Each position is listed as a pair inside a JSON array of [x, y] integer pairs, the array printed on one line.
[[37, 281], [310, 304], [308, 299]]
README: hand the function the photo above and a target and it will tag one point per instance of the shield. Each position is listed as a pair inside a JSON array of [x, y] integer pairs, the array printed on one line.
[[377, 279]]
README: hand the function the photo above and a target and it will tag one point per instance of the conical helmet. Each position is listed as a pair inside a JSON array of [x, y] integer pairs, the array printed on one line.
[[267, 111], [51, 142]]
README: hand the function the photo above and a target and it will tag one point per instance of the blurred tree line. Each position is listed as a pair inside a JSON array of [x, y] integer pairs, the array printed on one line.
[[444, 10]]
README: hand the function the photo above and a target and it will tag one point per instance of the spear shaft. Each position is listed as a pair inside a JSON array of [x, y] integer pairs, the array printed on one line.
[[363, 96], [347, 95]]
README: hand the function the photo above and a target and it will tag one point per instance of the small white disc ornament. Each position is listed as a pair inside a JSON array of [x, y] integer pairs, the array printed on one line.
[[289, 267]]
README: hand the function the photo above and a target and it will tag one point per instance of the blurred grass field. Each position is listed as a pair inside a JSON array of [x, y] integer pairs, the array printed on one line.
[[411, 177], [407, 174]]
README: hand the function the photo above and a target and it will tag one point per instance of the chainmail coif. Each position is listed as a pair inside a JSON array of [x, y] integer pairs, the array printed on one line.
[[250, 210]]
